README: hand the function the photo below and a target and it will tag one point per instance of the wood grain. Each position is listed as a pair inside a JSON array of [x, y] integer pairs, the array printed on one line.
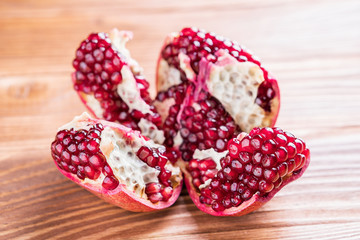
[[313, 47]]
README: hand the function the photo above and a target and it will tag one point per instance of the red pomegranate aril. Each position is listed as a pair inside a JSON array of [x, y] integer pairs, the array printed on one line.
[[162, 161], [237, 166], [267, 132], [281, 139], [291, 150], [107, 170], [281, 154], [64, 166], [256, 142], [244, 157], [233, 148], [246, 195], [291, 166], [97, 161], [271, 175], [152, 188], [72, 169], [236, 200], [265, 187], [257, 171], [218, 207], [90, 172], [230, 174], [92, 146], [300, 146], [164, 177], [110, 183], [216, 195], [226, 202], [283, 169], [81, 173], [268, 160], [59, 148], [268, 146], [65, 156], [253, 184], [226, 187], [245, 144], [206, 164], [278, 183], [299, 159], [75, 161], [166, 193], [66, 140]]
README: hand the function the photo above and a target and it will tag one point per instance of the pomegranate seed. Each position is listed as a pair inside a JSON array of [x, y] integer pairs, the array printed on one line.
[[164, 177], [268, 147], [283, 169], [110, 183], [107, 170], [265, 187], [166, 193], [152, 188], [156, 197], [97, 161], [281, 154], [271, 175], [237, 166], [291, 150], [233, 147]]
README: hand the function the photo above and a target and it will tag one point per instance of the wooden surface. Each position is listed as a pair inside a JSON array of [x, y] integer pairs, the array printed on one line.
[[313, 47]]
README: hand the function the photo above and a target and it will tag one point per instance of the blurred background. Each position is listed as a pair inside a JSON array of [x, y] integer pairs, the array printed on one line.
[[312, 47]]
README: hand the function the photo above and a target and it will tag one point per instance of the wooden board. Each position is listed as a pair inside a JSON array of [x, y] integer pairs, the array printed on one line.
[[312, 47]]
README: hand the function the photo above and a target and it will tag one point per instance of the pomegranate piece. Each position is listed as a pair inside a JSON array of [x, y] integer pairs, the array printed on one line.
[[117, 164], [111, 83], [209, 90], [248, 175]]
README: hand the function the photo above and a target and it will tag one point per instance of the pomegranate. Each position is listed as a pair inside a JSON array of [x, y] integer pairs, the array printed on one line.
[[254, 168], [209, 90], [117, 164], [215, 106], [111, 83]]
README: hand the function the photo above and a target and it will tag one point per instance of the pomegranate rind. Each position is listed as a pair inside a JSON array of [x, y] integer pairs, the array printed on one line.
[[254, 203], [121, 196]]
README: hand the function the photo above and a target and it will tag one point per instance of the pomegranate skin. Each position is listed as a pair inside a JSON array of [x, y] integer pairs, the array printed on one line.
[[254, 203], [121, 196], [124, 198]]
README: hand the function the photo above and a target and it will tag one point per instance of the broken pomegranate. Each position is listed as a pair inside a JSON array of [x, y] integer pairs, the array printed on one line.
[[254, 168], [209, 90], [111, 83], [117, 164]]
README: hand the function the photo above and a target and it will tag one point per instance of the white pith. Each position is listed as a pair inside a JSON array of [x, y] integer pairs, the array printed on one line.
[[184, 61], [168, 76], [120, 153], [94, 104], [209, 153], [129, 92], [150, 130], [163, 107], [235, 84]]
